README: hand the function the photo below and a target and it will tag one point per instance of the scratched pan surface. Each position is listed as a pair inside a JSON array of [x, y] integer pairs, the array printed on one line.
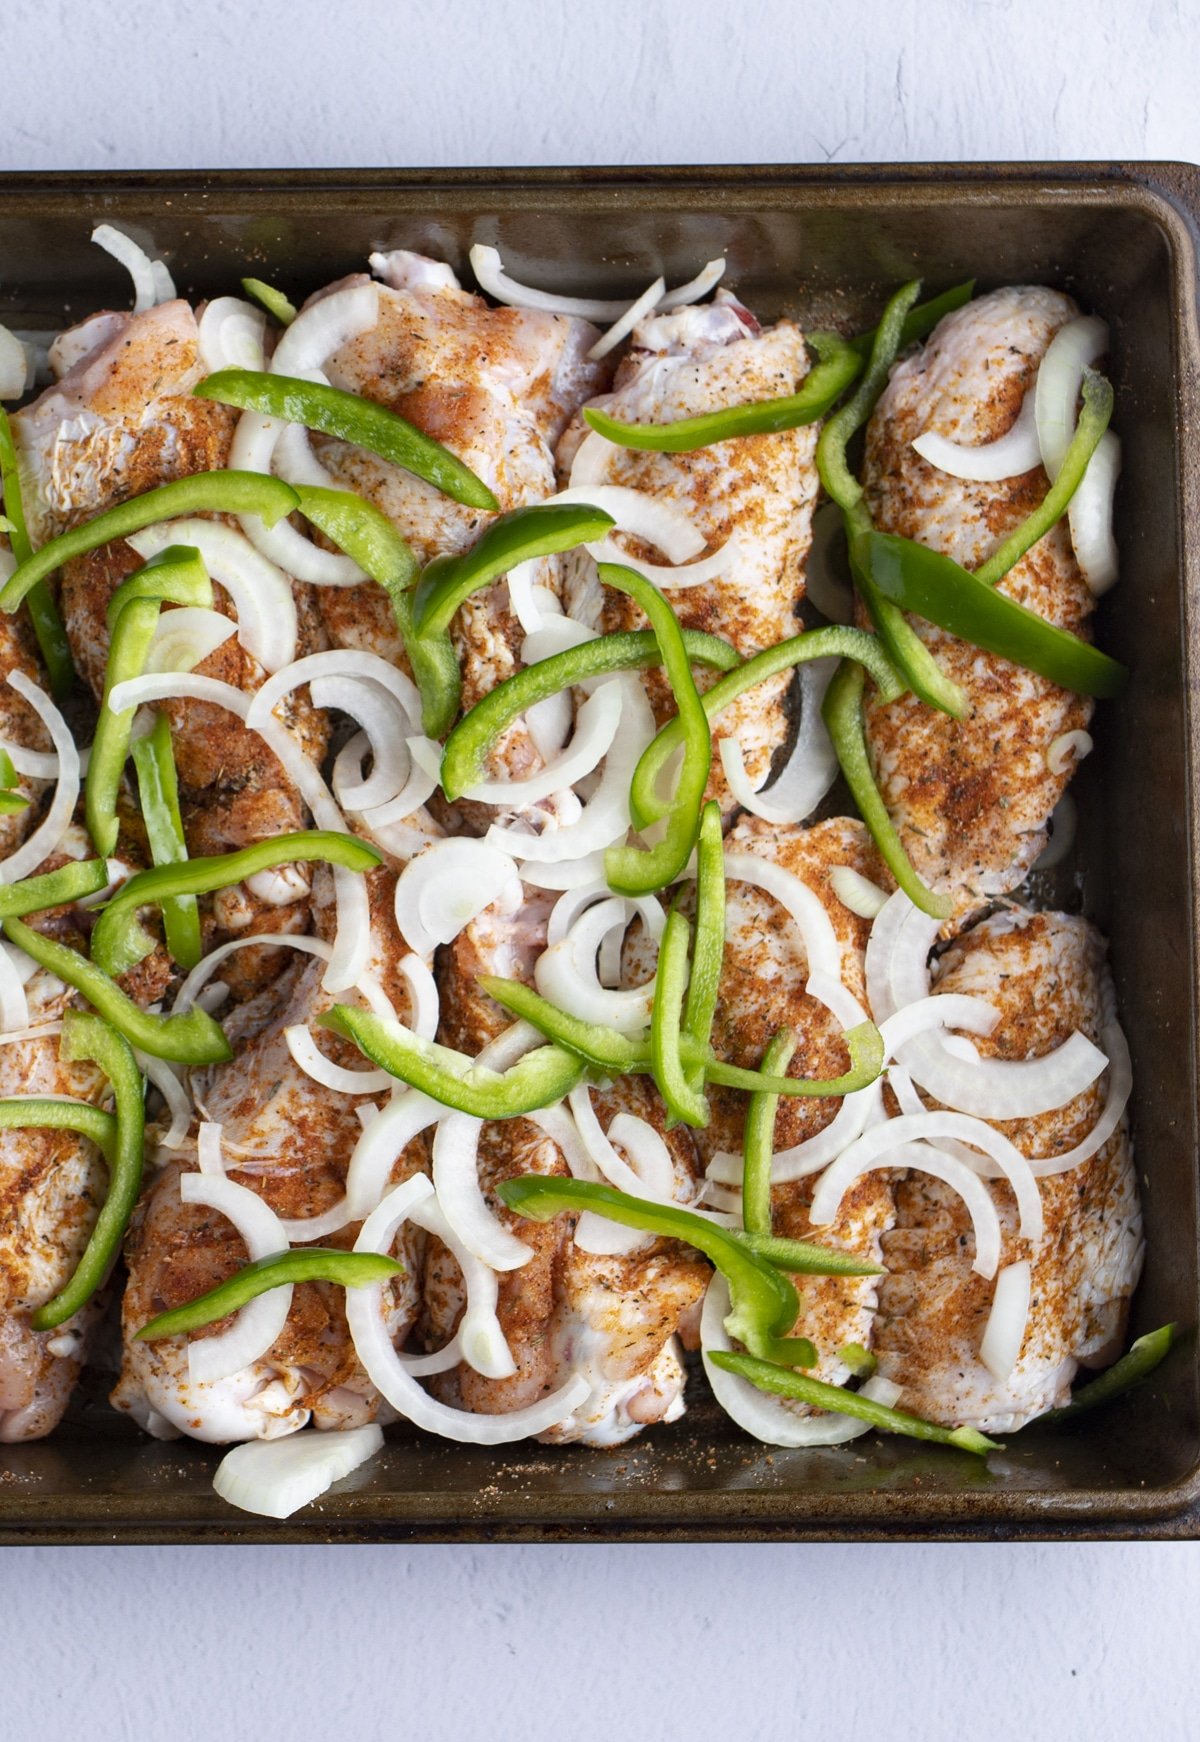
[[824, 244]]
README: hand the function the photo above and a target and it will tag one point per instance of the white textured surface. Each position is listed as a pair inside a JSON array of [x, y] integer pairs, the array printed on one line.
[[756, 1642]]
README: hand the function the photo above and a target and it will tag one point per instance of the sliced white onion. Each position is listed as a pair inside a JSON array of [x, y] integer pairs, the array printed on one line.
[[261, 592], [1015, 452], [456, 1165], [449, 885], [1090, 515], [275, 1478], [1064, 820], [14, 366], [654, 1175], [874, 1148], [857, 892], [557, 636], [14, 1006], [232, 334], [184, 637], [206, 967], [492, 278], [36, 764], [324, 326], [295, 461], [549, 723], [253, 450], [1005, 1330], [152, 282], [558, 1124], [49, 833], [365, 1313], [811, 767], [705, 280], [1074, 348], [386, 727], [566, 874], [480, 1339], [380, 1147], [575, 902], [1120, 1086], [1068, 750], [595, 729], [674, 579], [653, 519], [169, 1086], [404, 270], [424, 1002], [338, 663], [260, 1322], [521, 578], [593, 458], [38, 1031], [821, 947], [768, 1418], [644, 305], [565, 974], [302, 1045]]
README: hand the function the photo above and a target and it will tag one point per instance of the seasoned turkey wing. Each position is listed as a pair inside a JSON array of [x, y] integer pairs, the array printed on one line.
[[565, 1311], [1045, 972], [972, 797], [754, 495]]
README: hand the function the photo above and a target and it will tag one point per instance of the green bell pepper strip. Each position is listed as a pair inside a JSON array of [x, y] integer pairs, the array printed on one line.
[[158, 793], [758, 1139], [43, 612], [648, 805], [935, 587], [271, 299], [464, 760], [537, 1080], [176, 576], [300, 1264], [708, 950], [8, 773], [27, 1112], [643, 870], [449, 581], [805, 1258], [864, 1044], [764, 1304], [88, 1038], [359, 529], [351, 419], [119, 941], [53, 888], [203, 493], [12, 803], [681, 1090], [842, 711], [905, 647], [815, 1392], [860, 1361], [1136, 1364], [920, 321], [190, 1038], [838, 363], [1094, 419]]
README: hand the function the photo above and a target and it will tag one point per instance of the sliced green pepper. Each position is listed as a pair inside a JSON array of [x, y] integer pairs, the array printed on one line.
[[758, 1139], [680, 1090], [449, 581], [158, 792], [537, 1080], [935, 587], [708, 951], [43, 612], [176, 576], [818, 1395], [646, 803], [271, 299], [805, 1258], [607, 1051], [641, 870], [190, 1038], [842, 711], [202, 493], [1094, 419], [464, 761], [864, 1044], [838, 364], [920, 321], [860, 1361], [1136, 1364], [88, 1038], [351, 419], [11, 803], [763, 1302], [53, 888], [298, 1264], [119, 941]]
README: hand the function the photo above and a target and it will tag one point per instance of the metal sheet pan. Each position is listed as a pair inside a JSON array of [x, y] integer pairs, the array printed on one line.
[[824, 243]]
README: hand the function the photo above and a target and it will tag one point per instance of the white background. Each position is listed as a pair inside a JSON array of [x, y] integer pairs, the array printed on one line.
[[199, 1645]]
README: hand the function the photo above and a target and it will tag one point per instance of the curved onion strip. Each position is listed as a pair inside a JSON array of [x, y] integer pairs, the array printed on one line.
[[821, 948], [481, 1342], [152, 283], [260, 1322], [48, 835], [654, 519], [520, 579], [337, 663], [557, 636], [857, 892], [605, 816], [1074, 348], [668, 579], [566, 874], [771, 1419], [558, 1124], [323, 326], [1068, 750], [385, 726], [312, 1061], [232, 334], [184, 637], [441, 1361], [261, 592], [295, 461], [565, 974], [867, 1151], [595, 728], [380, 1147], [592, 459], [492, 278], [1120, 1086], [14, 1006], [645, 305], [658, 1184], [1004, 1333], [173, 1092], [422, 783], [424, 1003], [1009, 456], [275, 1478], [574, 902], [206, 967], [253, 450], [811, 767], [387, 1372], [1091, 512], [38, 1031], [709, 275], [34, 764], [549, 723], [456, 1166], [14, 366], [447, 886], [403, 270]]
